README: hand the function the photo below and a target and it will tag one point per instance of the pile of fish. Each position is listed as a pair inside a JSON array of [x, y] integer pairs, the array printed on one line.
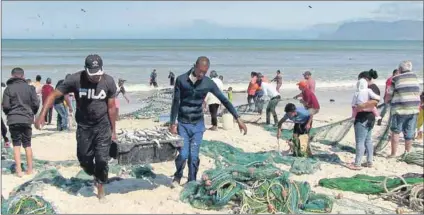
[[158, 104], [146, 135]]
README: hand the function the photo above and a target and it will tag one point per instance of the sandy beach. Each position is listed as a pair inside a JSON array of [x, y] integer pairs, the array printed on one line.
[[136, 196]]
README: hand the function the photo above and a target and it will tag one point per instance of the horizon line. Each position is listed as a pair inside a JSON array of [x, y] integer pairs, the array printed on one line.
[[306, 39]]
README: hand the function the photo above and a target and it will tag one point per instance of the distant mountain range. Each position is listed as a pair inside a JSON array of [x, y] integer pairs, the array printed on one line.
[[356, 30]]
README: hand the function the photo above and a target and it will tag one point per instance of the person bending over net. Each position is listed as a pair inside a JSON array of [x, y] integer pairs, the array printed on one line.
[[362, 95], [301, 118]]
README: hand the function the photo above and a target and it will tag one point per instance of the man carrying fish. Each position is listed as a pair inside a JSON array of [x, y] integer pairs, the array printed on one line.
[[95, 115], [190, 91]]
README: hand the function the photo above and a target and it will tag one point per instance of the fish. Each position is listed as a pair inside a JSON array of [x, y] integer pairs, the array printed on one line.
[[155, 135]]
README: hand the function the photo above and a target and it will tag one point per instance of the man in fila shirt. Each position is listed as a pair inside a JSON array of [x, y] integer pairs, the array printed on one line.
[[95, 115]]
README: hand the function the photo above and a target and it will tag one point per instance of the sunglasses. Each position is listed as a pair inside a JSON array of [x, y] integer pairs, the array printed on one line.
[[100, 72]]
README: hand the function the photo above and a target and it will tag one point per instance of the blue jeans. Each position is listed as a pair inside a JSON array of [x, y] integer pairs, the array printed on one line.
[[404, 123], [193, 136], [363, 142], [62, 117]]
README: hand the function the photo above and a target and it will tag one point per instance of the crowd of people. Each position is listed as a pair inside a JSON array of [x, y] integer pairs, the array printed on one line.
[[90, 95]]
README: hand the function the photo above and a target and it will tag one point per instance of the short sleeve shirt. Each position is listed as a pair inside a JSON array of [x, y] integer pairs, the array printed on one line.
[[91, 98], [310, 99], [302, 116]]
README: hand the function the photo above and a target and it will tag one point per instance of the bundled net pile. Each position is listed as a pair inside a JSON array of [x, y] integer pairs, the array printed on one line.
[[157, 104], [415, 157], [405, 191], [253, 183], [226, 155], [27, 204]]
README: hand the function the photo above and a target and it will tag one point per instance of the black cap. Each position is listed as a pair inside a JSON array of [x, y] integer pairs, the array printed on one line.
[[94, 64]]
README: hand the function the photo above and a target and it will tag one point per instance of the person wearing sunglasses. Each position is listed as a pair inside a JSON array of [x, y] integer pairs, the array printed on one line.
[[95, 116]]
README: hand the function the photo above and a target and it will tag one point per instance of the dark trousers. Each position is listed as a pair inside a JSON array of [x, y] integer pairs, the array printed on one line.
[[213, 109], [271, 109], [49, 115], [171, 81], [259, 104], [250, 101], [4, 131], [154, 83], [193, 136], [93, 145]]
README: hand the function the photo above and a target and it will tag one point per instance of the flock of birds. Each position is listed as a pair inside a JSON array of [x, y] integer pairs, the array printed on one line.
[[76, 25]]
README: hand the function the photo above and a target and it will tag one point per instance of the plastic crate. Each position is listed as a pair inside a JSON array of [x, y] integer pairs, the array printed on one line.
[[145, 152]]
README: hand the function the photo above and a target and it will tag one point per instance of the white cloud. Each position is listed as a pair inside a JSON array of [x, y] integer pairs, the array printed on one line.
[[401, 10]]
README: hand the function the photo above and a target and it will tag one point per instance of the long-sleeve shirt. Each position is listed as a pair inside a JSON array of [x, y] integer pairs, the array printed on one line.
[[405, 94], [189, 95], [269, 90]]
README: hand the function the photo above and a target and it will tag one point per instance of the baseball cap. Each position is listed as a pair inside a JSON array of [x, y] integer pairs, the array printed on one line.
[[307, 73], [303, 84], [94, 65]]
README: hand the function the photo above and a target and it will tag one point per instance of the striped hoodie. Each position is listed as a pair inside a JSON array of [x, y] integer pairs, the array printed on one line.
[[405, 91]]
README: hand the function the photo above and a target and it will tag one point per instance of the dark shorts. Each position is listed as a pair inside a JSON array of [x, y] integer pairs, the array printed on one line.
[[21, 134], [300, 128]]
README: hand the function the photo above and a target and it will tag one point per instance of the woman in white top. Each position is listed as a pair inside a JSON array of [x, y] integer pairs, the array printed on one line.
[[213, 102]]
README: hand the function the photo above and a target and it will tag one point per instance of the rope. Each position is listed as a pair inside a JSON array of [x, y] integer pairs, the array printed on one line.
[[411, 195]]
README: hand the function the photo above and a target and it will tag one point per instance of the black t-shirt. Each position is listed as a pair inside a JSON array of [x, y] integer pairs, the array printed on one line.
[[61, 99], [91, 98], [368, 116]]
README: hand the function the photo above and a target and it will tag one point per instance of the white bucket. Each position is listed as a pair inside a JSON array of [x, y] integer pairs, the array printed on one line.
[[227, 121]]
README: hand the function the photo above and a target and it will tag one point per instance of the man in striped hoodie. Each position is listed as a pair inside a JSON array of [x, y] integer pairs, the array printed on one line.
[[404, 98]]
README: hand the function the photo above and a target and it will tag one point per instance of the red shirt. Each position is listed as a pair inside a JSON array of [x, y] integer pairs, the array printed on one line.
[[310, 99], [389, 82], [46, 90]]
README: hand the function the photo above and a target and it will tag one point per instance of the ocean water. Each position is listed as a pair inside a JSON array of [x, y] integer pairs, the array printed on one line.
[[332, 63]]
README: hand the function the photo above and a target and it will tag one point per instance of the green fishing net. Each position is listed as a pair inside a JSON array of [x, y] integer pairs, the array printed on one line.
[[365, 184], [253, 182], [27, 204]]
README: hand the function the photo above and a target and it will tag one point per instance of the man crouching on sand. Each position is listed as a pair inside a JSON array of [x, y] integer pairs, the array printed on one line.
[[189, 93], [300, 116], [95, 115]]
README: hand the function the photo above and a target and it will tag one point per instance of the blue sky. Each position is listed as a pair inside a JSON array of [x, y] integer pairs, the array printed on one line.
[[55, 19]]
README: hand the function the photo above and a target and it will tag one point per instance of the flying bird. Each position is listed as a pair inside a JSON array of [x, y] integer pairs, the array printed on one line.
[[83, 10], [309, 6]]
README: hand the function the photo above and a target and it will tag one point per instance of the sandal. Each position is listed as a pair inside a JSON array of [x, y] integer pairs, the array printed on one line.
[[368, 165], [353, 167]]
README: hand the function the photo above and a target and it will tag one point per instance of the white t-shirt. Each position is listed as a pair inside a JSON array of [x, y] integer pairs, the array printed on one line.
[[269, 90]]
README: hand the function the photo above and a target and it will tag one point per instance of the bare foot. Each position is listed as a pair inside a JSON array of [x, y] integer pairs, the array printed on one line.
[[19, 174], [29, 172], [101, 192]]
